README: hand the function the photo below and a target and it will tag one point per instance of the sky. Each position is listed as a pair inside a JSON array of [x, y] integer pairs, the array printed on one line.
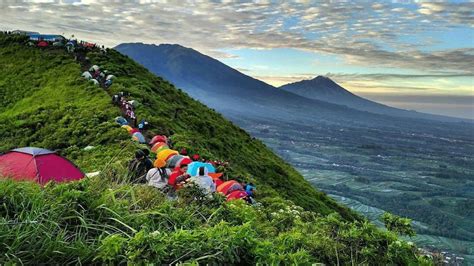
[[415, 55]]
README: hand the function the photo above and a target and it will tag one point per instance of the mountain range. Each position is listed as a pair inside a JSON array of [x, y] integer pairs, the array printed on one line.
[[230, 91]]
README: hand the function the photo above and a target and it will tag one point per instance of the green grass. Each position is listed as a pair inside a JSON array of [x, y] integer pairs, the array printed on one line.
[[98, 220], [45, 103]]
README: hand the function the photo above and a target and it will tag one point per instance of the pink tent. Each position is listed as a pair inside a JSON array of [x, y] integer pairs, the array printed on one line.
[[38, 165]]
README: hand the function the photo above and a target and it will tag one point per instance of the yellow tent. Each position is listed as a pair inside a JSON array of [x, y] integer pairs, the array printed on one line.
[[166, 154], [159, 146], [128, 128]]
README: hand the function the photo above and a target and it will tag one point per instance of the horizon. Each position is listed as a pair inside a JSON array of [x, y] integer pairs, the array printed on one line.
[[410, 55]]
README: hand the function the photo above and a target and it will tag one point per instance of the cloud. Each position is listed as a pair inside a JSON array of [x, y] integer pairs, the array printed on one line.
[[362, 33], [390, 76]]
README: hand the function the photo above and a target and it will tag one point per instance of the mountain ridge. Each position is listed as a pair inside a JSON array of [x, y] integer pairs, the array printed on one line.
[[225, 88]]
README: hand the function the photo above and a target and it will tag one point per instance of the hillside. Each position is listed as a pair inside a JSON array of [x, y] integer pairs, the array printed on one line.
[[324, 89], [45, 103]]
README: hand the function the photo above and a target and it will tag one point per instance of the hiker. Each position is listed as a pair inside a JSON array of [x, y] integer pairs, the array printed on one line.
[[158, 176], [183, 151], [250, 189], [116, 99], [108, 83], [139, 167], [101, 76], [195, 157], [147, 154], [178, 176], [204, 181], [143, 125]]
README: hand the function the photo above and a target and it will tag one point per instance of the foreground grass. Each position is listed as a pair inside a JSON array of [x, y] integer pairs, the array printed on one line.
[[100, 220]]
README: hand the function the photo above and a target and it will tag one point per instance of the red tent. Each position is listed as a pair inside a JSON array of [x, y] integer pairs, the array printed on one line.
[[236, 194], [37, 164], [158, 138], [43, 44], [134, 130]]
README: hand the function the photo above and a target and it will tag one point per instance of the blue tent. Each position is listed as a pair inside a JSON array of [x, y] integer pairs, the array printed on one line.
[[193, 168], [47, 37], [121, 121], [138, 137]]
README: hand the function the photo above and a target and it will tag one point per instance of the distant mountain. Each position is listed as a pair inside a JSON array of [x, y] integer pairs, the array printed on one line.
[[224, 88], [232, 92], [324, 89]]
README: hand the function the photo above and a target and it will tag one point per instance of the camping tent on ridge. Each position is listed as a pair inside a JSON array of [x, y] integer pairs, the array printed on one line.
[[38, 165]]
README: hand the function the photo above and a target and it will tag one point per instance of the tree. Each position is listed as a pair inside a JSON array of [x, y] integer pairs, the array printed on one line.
[[397, 224]]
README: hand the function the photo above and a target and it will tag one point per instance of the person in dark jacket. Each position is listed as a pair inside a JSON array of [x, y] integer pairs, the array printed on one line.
[[139, 167]]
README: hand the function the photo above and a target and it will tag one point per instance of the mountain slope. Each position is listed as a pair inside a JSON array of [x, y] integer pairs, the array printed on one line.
[[231, 92], [325, 89], [47, 104]]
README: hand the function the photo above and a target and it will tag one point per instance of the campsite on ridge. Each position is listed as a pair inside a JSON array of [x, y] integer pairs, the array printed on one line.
[[106, 219]]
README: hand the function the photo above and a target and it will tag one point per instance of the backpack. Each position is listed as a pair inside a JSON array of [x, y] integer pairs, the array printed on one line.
[[164, 177], [163, 174]]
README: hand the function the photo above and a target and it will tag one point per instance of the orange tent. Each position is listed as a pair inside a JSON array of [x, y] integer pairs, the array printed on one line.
[[158, 147], [216, 177], [229, 186]]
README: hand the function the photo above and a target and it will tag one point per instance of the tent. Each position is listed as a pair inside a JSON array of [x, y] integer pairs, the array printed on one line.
[[110, 77], [158, 138], [133, 131], [159, 146], [134, 103], [194, 167], [216, 177], [38, 165], [236, 194], [127, 127], [166, 154], [185, 160], [94, 68], [121, 121], [87, 75], [47, 37], [88, 44], [138, 136], [43, 44], [177, 160], [58, 44], [227, 187], [96, 82]]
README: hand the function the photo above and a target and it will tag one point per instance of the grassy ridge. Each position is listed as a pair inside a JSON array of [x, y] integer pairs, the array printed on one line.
[[49, 105], [45, 103]]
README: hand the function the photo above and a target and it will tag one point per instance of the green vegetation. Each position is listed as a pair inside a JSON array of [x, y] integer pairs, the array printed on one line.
[[399, 225], [45, 103], [102, 221]]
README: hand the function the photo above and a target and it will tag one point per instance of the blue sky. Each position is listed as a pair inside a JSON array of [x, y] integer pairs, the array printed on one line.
[[416, 55]]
